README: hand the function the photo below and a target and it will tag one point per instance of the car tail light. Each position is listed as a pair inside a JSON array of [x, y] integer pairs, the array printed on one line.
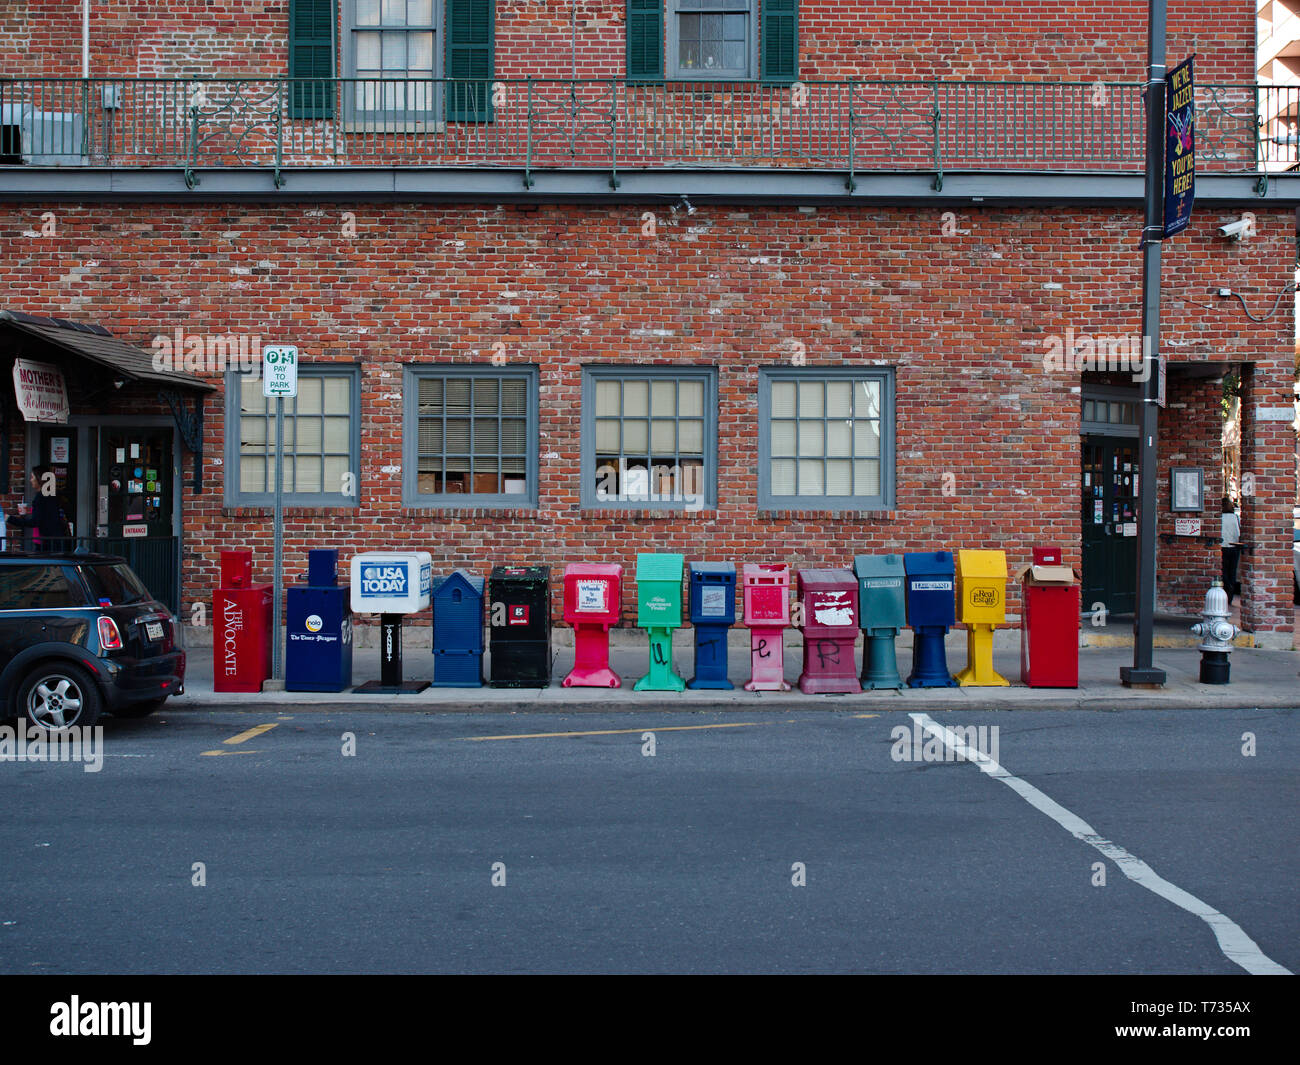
[[110, 639]]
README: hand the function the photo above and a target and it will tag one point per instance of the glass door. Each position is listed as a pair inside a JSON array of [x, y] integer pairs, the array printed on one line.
[[1109, 513]]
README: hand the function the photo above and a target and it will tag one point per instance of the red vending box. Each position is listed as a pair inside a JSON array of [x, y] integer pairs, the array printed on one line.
[[829, 598], [1049, 630], [241, 627], [767, 613], [593, 603]]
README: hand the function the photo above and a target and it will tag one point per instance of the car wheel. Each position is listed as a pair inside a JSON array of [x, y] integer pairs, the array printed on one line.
[[59, 695], [140, 709]]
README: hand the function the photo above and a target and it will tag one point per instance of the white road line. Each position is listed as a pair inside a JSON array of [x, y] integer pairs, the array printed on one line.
[[1233, 941]]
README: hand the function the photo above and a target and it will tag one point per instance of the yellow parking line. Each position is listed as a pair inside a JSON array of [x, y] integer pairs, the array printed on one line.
[[255, 731], [219, 753], [866, 715], [615, 731]]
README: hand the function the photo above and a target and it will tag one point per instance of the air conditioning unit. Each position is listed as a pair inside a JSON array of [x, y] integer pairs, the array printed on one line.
[[41, 138]]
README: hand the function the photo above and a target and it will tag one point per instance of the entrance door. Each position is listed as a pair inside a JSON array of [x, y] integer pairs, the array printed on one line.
[[133, 505], [1109, 517], [57, 449]]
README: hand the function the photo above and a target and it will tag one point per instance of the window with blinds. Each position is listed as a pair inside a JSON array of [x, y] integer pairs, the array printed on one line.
[[826, 439], [471, 435], [648, 438], [321, 438]]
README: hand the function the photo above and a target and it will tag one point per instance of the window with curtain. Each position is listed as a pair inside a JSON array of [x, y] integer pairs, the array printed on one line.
[[648, 437], [393, 49], [712, 38]]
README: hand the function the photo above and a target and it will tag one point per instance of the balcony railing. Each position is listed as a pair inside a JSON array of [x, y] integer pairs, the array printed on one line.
[[610, 124]]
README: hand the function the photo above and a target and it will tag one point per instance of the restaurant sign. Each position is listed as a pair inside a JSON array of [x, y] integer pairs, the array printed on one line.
[[41, 391]]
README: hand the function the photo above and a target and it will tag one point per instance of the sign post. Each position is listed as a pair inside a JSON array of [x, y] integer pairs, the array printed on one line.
[[1170, 191], [279, 381]]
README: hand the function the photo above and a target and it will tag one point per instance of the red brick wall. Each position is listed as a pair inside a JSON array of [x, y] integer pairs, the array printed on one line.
[[1187, 565], [957, 40], [963, 318]]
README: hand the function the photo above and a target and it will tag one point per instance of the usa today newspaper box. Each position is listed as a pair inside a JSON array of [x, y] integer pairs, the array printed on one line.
[[391, 584], [318, 650]]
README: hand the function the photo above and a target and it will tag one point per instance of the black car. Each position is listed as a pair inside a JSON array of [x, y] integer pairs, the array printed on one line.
[[80, 634]]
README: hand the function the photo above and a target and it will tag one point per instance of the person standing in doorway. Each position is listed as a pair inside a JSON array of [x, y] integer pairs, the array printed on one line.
[[1231, 548], [46, 520]]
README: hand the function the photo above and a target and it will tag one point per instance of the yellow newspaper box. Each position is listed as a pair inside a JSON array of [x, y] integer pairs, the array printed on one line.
[[982, 587], [981, 604]]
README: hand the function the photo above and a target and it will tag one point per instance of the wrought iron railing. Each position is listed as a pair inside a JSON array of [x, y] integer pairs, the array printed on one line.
[[611, 124]]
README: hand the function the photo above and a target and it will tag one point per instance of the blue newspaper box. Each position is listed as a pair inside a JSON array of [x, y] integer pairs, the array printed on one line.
[[458, 631], [713, 612], [931, 612], [318, 621], [882, 612]]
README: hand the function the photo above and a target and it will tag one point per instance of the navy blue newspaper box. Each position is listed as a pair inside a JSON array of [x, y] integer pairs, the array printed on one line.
[[931, 612], [318, 621], [458, 631], [713, 612]]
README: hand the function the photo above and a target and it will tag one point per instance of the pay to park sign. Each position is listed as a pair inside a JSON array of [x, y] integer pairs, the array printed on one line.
[[1180, 147], [280, 371]]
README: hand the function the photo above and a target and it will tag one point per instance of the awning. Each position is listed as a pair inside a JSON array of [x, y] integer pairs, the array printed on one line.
[[96, 344], [132, 365]]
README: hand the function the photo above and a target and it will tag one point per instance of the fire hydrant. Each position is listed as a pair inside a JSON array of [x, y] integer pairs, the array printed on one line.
[[1216, 633]]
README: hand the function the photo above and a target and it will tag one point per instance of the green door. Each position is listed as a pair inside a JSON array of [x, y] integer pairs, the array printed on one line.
[[1109, 491]]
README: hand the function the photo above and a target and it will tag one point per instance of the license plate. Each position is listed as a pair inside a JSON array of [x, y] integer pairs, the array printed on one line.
[[153, 629]]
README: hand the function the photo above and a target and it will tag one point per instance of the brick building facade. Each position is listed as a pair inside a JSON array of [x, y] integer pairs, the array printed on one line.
[[833, 377]]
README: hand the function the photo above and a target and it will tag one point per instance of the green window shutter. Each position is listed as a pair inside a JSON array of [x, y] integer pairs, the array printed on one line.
[[645, 40], [780, 40], [470, 45], [311, 55]]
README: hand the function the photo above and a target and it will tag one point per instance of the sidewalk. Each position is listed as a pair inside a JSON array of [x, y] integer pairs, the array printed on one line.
[[1264, 679]]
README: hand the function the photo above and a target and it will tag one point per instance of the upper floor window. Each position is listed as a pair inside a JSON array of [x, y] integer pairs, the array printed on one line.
[[392, 48], [406, 62], [712, 39]]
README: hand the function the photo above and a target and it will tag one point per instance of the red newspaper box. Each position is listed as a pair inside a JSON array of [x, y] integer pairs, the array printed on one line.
[[1049, 630], [767, 613], [829, 598], [593, 602], [241, 627]]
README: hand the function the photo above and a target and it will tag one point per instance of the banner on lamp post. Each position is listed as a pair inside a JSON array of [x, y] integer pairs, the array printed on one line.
[[1180, 147]]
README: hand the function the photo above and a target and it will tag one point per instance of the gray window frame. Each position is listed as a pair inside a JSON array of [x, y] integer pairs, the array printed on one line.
[[587, 451], [672, 46], [355, 117], [235, 497], [412, 374], [888, 443]]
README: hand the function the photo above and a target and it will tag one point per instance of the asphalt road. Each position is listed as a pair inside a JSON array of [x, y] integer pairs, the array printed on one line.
[[619, 861]]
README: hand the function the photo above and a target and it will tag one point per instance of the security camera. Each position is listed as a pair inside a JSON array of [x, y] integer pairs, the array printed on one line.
[[1242, 227]]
